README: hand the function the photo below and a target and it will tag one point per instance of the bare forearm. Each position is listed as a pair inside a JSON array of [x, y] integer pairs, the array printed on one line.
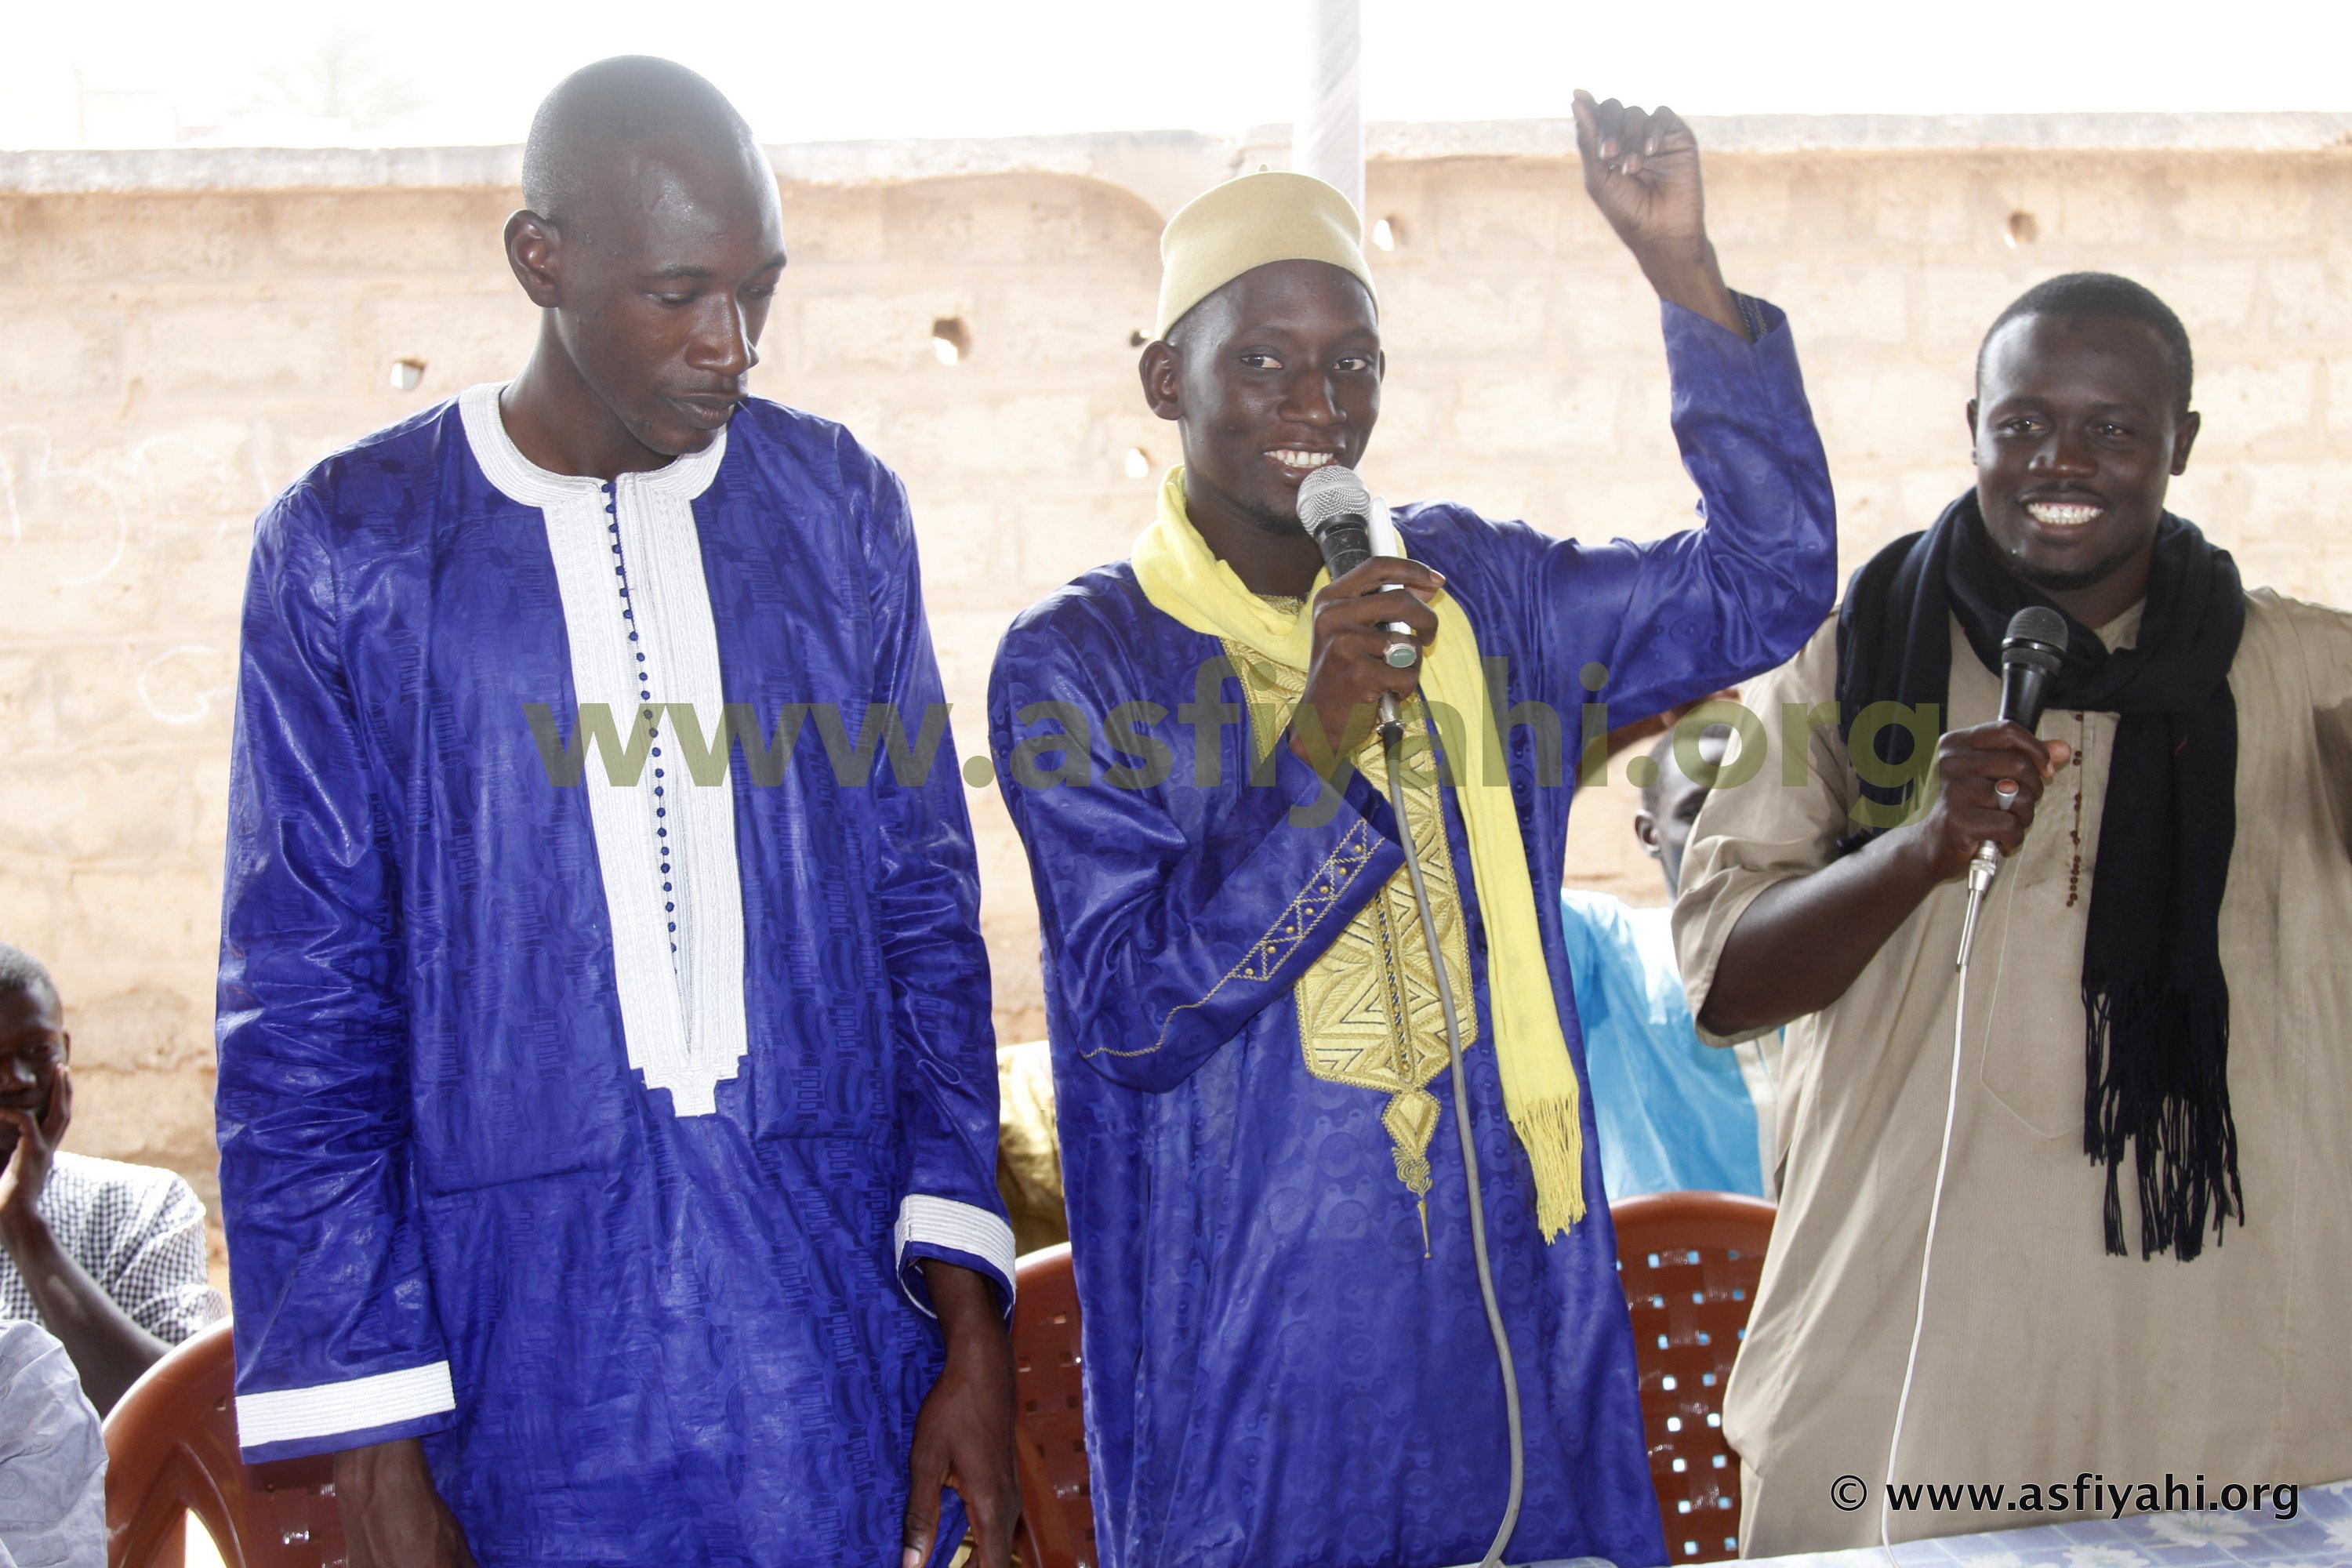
[[393, 1516], [969, 1312], [963, 1434], [1695, 282], [109, 1349], [1803, 943]]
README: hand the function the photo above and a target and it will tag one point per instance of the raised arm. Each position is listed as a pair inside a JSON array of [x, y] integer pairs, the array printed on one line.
[[338, 1349], [1678, 618], [1172, 908]]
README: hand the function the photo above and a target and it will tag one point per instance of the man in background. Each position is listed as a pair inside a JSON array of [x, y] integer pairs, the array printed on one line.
[[108, 1257], [1674, 1114], [1029, 1146]]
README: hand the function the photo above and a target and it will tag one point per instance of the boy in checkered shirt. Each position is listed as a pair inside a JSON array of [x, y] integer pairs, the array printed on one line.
[[108, 1257]]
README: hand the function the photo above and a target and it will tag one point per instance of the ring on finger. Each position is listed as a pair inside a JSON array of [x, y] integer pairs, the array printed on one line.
[[2004, 792], [1401, 655]]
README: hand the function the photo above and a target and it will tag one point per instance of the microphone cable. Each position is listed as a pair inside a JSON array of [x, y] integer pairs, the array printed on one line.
[[1927, 1254], [1392, 743], [1341, 516], [2033, 655]]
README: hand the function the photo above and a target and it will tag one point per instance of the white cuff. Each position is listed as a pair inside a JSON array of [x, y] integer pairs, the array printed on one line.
[[964, 1228], [362, 1404]]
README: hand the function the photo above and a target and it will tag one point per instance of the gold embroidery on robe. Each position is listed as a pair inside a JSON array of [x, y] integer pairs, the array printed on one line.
[[1294, 925], [1368, 1015]]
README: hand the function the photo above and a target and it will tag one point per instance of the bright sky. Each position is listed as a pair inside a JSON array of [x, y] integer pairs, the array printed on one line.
[[449, 72]]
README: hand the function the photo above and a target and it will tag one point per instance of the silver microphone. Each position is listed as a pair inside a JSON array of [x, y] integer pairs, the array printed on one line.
[[1336, 510]]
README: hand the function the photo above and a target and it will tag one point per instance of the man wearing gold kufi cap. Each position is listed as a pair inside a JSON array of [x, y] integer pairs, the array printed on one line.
[[1286, 1354]]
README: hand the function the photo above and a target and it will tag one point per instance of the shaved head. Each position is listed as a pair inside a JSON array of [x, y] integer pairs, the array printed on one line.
[[1671, 795], [651, 240], [597, 116]]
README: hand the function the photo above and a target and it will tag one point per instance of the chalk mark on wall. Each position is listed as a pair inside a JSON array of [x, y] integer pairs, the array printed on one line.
[[44, 469], [203, 699]]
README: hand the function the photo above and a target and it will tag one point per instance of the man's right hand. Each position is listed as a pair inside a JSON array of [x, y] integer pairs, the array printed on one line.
[[1348, 671], [1803, 941], [1976, 769], [392, 1517]]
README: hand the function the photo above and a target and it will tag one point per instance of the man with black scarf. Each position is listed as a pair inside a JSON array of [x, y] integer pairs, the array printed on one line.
[[2143, 1260]]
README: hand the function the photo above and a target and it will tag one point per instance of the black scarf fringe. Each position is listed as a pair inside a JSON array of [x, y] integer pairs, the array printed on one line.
[[2159, 1098]]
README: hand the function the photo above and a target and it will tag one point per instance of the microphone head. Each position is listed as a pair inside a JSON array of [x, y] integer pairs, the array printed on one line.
[[1332, 492], [2037, 636]]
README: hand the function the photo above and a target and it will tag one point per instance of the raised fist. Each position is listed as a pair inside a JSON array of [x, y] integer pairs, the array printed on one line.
[[1640, 168]]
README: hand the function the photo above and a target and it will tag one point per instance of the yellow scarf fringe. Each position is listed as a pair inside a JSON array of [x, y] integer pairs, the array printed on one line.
[[1182, 577]]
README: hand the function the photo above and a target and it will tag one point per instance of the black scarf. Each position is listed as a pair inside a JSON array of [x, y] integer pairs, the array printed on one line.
[[2156, 1001]]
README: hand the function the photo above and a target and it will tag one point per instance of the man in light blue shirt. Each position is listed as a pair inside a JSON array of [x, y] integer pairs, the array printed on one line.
[[1675, 1115]]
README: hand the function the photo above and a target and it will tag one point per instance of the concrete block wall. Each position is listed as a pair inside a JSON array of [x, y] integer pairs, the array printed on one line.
[[177, 346]]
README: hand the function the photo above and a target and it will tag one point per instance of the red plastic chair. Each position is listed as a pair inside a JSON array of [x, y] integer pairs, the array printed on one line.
[[1689, 1263], [1058, 1507], [170, 1450]]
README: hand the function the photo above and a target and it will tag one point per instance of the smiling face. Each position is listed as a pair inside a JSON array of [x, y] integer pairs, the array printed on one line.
[[33, 1047], [1274, 375], [2078, 431]]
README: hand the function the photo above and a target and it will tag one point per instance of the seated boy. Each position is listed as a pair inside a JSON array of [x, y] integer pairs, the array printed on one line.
[[108, 1257]]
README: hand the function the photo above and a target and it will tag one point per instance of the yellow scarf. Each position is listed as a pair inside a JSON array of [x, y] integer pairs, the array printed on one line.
[[1182, 577]]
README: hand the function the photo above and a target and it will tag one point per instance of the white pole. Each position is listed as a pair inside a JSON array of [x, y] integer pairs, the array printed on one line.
[[1328, 139]]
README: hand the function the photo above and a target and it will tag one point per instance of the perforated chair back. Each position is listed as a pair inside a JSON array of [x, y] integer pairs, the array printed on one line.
[[170, 1450], [1689, 1263], [1057, 1505]]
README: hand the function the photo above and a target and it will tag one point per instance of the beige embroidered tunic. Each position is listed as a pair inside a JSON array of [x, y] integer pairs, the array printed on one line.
[[2043, 1356]]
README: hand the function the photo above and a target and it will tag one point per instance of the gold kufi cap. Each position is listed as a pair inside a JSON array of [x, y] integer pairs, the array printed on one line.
[[1249, 222]]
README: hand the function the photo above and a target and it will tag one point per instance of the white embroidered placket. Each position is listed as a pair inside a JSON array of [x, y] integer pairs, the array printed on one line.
[[682, 1011]]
